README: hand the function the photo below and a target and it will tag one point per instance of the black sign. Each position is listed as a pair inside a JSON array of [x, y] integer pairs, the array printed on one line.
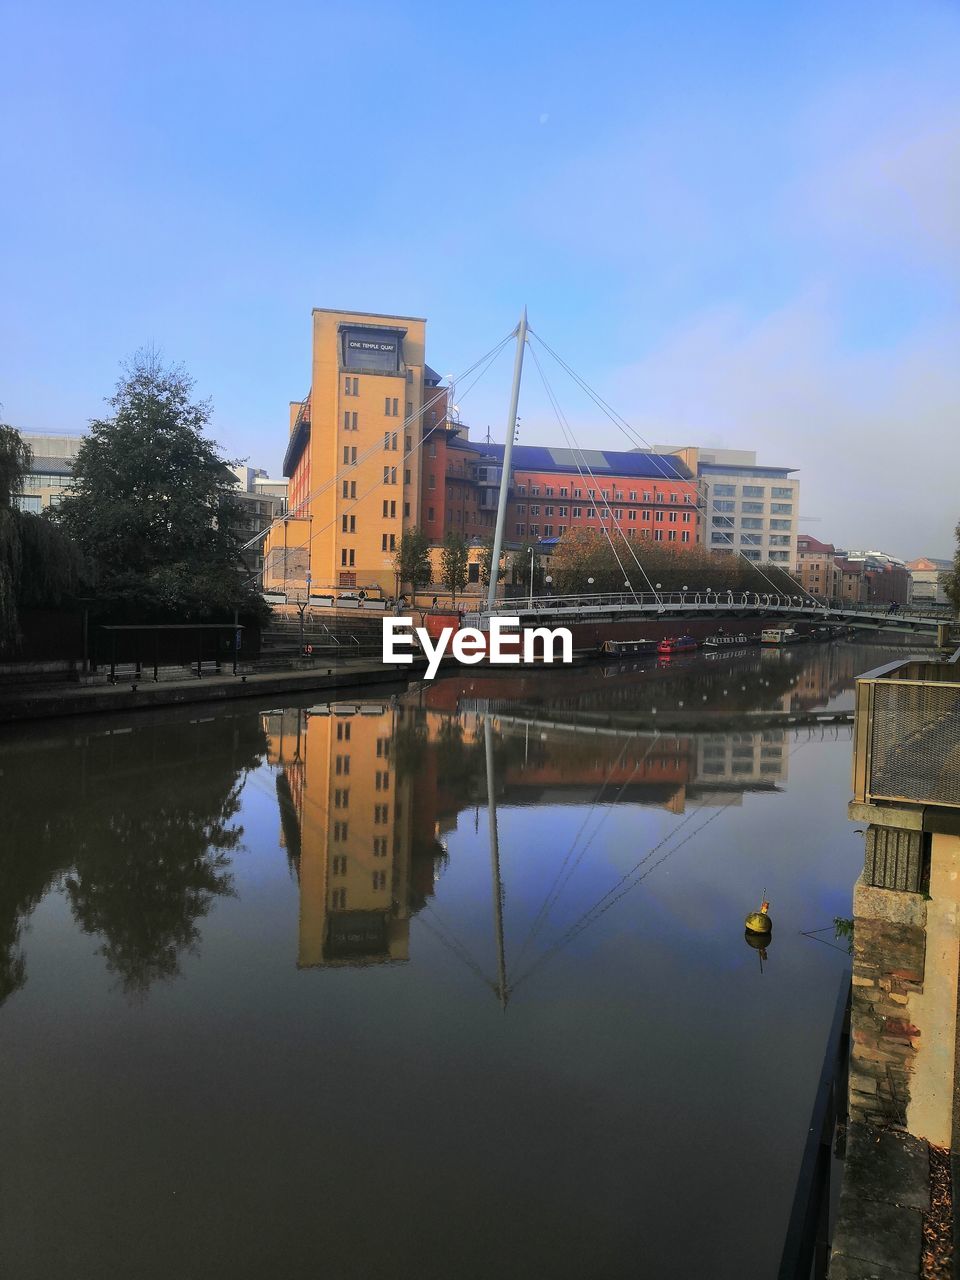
[[368, 349]]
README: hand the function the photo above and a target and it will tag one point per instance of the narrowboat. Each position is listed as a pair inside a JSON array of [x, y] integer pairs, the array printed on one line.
[[723, 641], [627, 648], [677, 644], [780, 636]]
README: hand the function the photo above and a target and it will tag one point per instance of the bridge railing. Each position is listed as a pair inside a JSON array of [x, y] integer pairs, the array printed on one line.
[[702, 600]]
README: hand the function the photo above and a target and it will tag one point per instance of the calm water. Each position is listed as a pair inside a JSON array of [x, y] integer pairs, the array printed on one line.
[[266, 1011]]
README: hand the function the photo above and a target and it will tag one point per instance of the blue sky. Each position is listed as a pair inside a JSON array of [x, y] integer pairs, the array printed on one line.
[[741, 223]]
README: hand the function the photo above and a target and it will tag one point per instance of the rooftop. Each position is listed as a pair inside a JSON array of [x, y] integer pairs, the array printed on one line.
[[601, 462]]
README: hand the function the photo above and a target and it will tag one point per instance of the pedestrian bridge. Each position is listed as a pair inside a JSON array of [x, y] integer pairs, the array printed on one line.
[[700, 604]]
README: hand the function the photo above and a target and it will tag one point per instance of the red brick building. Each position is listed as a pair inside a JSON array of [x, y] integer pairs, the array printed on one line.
[[650, 496]]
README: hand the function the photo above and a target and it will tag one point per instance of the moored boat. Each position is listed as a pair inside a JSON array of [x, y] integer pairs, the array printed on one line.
[[780, 636], [677, 644], [724, 641], [627, 648]]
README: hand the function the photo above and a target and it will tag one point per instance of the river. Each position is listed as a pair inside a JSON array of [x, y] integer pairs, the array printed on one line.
[[273, 1003]]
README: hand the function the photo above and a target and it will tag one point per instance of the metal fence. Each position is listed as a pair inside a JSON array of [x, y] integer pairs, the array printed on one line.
[[907, 736]]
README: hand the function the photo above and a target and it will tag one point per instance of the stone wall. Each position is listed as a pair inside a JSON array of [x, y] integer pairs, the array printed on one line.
[[889, 951]]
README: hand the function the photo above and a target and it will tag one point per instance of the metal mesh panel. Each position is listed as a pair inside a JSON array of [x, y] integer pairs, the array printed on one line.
[[915, 743]]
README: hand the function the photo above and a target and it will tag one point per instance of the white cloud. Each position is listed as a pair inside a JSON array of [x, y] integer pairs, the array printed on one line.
[[875, 434]]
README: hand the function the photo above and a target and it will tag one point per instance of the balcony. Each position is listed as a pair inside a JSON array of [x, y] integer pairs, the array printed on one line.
[[907, 734]]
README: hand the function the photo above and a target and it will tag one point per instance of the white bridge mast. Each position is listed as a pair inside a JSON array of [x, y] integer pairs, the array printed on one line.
[[507, 459]]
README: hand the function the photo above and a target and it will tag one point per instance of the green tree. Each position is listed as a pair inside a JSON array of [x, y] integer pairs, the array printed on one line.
[[39, 565], [153, 505], [454, 556], [485, 560], [952, 583], [411, 560]]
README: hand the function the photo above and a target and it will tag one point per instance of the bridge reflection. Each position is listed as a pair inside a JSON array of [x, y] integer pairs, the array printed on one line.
[[368, 791]]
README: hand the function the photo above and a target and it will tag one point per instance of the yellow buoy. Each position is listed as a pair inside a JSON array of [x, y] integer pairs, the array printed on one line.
[[759, 921]]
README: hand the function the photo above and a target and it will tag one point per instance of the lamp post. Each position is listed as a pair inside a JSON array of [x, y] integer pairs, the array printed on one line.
[[530, 549], [548, 580]]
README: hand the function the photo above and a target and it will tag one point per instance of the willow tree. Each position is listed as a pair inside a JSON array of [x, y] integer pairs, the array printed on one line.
[[39, 565], [15, 459]]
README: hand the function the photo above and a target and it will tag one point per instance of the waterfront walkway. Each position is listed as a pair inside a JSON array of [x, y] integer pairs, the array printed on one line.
[[34, 702]]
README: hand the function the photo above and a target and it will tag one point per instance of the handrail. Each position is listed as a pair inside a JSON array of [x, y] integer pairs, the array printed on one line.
[[808, 1229]]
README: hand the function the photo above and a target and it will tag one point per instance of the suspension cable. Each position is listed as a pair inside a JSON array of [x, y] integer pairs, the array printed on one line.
[[575, 449], [640, 441]]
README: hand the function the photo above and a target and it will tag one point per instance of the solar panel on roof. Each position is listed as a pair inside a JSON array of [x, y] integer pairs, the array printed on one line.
[[571, 458]]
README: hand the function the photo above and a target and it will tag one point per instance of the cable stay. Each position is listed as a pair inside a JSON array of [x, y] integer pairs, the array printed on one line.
[[575, 449], [559, 885], [639, 441]]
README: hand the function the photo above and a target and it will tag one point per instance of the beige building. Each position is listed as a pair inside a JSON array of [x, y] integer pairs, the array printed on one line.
[[352, 457], [930, 579], [51, 470]]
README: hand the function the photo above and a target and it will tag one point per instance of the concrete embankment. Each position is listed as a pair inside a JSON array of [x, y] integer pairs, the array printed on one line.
[[71, 700]]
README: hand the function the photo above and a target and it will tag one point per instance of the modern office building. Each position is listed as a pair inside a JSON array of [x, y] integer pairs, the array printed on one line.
[[51, 469], [749, 509], [354, 475]]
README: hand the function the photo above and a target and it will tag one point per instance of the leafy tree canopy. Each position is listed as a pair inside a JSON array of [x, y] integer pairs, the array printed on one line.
[[454, 555], [153, 504], [582, 554], [411, 559]]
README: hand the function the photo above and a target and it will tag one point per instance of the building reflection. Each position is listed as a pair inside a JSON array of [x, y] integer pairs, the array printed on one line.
[[367, 793], [363, 864]]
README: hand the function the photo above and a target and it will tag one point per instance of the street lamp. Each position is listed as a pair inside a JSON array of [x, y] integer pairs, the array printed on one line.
[[530, 549]]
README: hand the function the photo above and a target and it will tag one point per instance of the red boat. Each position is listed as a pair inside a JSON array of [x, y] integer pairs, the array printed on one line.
[[677, 644]]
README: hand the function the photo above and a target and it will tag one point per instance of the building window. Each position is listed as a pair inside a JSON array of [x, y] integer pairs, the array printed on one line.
[[352, 387], [752, 507], [548, 530], [338, 864], [520, 529], [782, 508], [632, 514], [781, 524], [724, 506], [578, 493], [658, 517], [349, 524], [535, 511], [751, 522], [685, 536], [672, 535], [753, 491], [751, 539], [686, 517], [779, 540], [672, 517], [658, 535], [781, 491], [577, 513], [534, 531], [391, 406], [725, 490], [338, 899]]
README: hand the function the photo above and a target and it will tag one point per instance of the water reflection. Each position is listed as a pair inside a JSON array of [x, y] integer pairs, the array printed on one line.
[[135, 824], [353, 894]]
